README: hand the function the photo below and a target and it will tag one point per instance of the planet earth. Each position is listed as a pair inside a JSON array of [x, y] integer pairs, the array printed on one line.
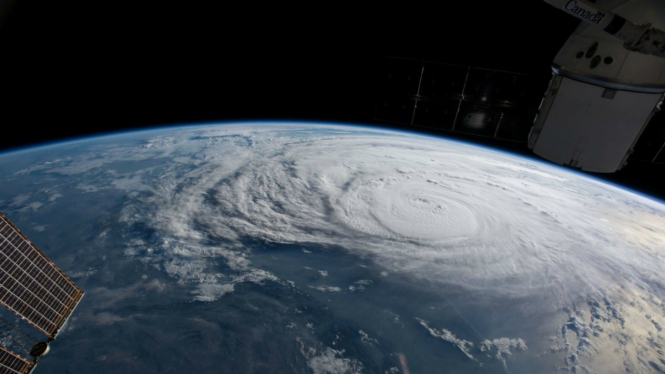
[[316, 248]]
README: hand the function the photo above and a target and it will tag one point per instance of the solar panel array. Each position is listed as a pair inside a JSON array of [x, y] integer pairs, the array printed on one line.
[[651, 146], [11, 335], [11, 363], [474, 101], [31, 285]]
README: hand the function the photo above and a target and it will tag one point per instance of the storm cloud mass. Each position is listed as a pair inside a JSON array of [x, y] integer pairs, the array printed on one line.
[[481, 220]]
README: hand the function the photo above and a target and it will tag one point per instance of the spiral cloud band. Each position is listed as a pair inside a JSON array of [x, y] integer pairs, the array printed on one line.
[[434, 208]]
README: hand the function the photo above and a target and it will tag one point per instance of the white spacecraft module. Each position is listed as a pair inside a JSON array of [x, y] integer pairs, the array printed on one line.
[[609, 81]]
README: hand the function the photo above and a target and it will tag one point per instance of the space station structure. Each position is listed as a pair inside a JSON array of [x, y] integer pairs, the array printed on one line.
[[35, 290], [608, 82]]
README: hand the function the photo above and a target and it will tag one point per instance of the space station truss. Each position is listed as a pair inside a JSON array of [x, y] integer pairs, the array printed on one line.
[[479, 102], [31, 285], [12, 363]]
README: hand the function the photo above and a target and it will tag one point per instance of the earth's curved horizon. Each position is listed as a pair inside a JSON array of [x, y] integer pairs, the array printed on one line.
[[322, 248]]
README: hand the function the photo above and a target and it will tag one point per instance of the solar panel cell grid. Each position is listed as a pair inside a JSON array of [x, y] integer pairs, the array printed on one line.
[[11, 363], [32, 286]]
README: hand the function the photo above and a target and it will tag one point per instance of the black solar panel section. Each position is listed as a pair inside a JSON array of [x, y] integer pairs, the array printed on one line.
[[490, 86], [400, 77], [443, 82], [439, 95], [528, 91], [515, 125], [651, 145], [477, 118], [394, 109], [398, 86], [14, 338], [11, 363], [437, 114], [31, 285], [500, 104], [660, 157], [482, 102]]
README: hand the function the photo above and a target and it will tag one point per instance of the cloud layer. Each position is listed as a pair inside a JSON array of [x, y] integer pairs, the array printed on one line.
[[480, 220], [487, 225]]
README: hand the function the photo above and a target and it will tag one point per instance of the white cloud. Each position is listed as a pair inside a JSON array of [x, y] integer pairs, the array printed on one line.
[[54, 197], [212, 291], [34, 206], [326, 288], [155, 285], [464, 345], [105, 318], [19, 200], [82, 274], [503, 347], [329, 361], [500, 348], [364, 337]]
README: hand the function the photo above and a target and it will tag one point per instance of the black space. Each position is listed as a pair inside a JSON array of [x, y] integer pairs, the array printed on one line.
[[71, 69]]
